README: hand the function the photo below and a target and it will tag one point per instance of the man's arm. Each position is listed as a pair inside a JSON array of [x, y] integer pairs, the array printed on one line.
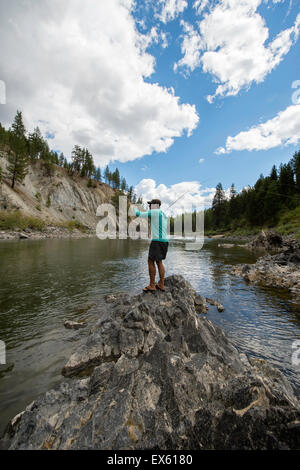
[[142, 214]]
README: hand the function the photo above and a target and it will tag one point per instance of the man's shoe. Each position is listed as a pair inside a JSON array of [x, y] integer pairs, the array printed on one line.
[[160, 288]]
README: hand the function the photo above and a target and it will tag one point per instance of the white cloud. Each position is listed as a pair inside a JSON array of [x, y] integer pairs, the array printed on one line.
[[201, 160], [230, 44], [283, 129], [188, 194], [78, 70], [200, 5], [171, 9]]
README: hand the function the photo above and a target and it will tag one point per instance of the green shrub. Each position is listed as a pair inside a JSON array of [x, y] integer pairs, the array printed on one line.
[[72, 224], [16, 220]]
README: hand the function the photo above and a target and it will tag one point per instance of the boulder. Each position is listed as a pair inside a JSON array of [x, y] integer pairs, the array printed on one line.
[[275, 270], [155, 374], [267, 241]]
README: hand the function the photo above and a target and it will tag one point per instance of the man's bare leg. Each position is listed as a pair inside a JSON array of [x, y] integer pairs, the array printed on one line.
[[161, 270], [152, 273]]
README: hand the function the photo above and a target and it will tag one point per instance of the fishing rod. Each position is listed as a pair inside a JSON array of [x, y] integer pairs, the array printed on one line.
[[182, 195]]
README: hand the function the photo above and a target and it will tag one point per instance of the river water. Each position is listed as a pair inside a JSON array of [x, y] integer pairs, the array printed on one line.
[[45, 282]]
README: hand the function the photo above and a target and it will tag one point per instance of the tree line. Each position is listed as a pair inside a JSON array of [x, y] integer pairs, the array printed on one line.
[[258, 205], [25, 148]]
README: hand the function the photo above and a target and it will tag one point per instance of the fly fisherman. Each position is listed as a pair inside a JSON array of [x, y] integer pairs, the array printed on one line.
[[159, 244]]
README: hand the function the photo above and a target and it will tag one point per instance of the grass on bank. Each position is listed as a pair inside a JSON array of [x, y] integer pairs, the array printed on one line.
[[73, 224], [16, 221]]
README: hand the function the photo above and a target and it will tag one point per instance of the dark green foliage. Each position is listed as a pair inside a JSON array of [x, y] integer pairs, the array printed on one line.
[[98, 175], [82, 162], [295, 162], [260, 205], [18, 151], [37, 144], [130, 193], [61, 160], [218, 206]]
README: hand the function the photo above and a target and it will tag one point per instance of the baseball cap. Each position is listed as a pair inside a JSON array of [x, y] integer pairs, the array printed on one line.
[[154, 201]]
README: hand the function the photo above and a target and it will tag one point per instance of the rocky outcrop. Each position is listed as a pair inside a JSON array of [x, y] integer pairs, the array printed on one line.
[[266, 241], [155, 374], [55, 198], [278, 270]]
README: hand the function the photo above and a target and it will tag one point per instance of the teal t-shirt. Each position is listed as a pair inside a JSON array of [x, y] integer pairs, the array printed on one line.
[[159, 223]]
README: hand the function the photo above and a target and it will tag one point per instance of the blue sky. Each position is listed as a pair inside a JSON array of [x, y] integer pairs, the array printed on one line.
[[226, 116], [152, 87]]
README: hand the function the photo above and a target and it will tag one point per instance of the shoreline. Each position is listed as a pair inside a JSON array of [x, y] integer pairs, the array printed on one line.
[[53, 231], [49, 232]]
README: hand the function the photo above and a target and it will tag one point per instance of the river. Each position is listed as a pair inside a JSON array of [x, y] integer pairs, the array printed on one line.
[[45, 282]]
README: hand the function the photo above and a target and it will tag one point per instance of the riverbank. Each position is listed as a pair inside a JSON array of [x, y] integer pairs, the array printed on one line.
[[47, 232], [155, 373]]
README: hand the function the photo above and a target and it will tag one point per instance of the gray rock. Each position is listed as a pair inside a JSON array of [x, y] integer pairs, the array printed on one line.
[[268, 241], [226, 245], [160, 376], [74, 325], [23, 236], [275, 270], [219, 306]]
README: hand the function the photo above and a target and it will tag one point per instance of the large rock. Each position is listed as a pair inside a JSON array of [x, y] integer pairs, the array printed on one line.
[[159, 375], [267, 241], [277, 270]]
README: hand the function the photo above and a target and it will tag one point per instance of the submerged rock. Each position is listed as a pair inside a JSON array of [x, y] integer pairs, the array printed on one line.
[[219, 306], [161, 376], [74, 325]]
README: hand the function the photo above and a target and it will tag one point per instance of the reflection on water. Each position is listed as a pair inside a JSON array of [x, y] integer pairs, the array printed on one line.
[[45, 282]]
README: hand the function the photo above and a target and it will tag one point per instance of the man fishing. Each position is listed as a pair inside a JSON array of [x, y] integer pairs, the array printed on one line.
[[159, 244]]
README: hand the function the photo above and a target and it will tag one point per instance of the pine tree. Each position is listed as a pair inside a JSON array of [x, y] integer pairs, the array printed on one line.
[[233, 203], [123, 184], [286, 183], [17, 155], [4, 135], [117, 178], [77, 159], [130, 193], [218, 205], [61, 159], [273, 174], [36, 144], [98, 175], [18, 127], [295, 162], [271, 203], [107, 175]]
